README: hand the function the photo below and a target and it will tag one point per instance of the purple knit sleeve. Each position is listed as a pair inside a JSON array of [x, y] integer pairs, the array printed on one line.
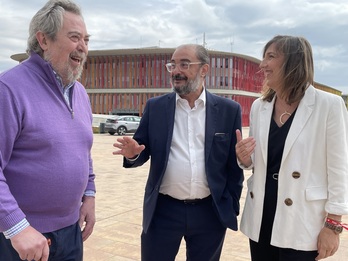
[[10, 126]]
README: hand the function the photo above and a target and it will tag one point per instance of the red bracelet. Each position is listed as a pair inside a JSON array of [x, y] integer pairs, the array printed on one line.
[[337, 223]]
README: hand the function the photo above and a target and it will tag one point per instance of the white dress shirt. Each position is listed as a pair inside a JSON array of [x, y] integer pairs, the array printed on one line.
[[185, 176]]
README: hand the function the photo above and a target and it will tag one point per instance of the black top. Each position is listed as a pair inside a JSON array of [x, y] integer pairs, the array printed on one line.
[[276, 141]]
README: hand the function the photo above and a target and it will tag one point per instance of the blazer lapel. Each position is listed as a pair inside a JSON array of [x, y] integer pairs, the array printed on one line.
[[170, 112], [265, 121], [304, 111], [210, 122]]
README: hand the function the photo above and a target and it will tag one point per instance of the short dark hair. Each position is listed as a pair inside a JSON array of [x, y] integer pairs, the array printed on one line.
[[200, 51]]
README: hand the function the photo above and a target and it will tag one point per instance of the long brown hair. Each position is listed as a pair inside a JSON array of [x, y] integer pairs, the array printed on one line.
[[298, 68]]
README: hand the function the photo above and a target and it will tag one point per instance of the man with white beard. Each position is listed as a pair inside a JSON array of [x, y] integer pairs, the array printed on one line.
[[47, 206]]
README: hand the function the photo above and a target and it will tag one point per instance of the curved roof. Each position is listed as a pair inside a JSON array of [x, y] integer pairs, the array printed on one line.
[[157, 50], [143, 51]]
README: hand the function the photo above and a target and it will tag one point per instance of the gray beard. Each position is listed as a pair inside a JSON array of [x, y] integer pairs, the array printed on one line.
[[190, 87], [69, 76]]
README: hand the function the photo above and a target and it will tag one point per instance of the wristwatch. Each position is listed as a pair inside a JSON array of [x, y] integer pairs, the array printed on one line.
[[336, 228]]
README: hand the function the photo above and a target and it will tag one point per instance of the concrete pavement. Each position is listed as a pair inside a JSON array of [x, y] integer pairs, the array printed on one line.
[[119, 200]]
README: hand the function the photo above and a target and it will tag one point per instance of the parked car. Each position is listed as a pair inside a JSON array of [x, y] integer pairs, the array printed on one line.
[[122, 124]]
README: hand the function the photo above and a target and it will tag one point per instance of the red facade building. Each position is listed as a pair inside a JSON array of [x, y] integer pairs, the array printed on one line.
[[120, 81]]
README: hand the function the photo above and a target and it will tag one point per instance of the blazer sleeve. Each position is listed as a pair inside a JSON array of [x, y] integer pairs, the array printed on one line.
[[337, 158]]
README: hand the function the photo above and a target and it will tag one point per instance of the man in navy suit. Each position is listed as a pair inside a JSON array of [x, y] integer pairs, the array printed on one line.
[[194, 182]]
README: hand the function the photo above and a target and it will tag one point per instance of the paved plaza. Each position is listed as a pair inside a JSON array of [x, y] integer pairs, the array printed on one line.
[[119, 200]]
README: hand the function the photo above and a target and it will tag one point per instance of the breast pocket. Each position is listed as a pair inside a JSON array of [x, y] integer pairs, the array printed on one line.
[[221, 136], [221, 145]]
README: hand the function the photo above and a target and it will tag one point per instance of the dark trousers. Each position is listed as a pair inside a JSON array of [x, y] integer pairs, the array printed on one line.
[[66, 245], [173, 220], [262, 252]]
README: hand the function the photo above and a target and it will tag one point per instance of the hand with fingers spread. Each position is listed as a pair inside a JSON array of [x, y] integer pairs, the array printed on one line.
[[128, 147], [244, 149]]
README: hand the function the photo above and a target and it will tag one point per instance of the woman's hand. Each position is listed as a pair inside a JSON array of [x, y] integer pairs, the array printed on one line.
[[244, 149]]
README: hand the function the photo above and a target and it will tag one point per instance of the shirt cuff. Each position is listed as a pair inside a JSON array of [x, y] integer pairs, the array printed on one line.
[[133, 159], [16, 228], [245, 167], [89, 193]]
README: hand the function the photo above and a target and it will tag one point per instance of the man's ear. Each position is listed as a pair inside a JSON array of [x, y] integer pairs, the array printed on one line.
[[205, 69], [42, 40]]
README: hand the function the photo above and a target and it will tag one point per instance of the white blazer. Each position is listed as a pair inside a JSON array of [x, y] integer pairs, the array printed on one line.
[[313, 176]]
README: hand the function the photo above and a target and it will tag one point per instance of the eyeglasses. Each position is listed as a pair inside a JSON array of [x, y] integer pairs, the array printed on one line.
[[183, 66]]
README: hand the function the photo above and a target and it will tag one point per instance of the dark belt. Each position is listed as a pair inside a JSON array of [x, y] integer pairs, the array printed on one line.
[[187, 201]]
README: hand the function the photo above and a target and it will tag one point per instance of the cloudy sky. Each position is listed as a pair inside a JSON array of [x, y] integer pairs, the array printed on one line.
[[228, 25]]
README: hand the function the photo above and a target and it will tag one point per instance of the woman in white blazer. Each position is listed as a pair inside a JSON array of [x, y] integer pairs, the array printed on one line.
[[297, 150]]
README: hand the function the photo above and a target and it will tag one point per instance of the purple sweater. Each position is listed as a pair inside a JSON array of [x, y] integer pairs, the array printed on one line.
[[45, 161]]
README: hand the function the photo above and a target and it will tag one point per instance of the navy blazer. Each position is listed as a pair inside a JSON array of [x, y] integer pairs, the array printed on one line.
[[225, 178]]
